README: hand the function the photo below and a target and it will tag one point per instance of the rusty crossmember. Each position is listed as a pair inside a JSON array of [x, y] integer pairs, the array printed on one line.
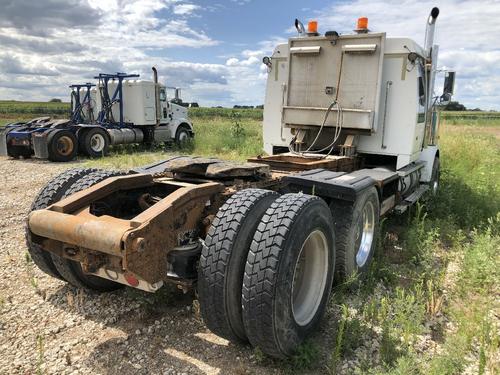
[[142, 243]]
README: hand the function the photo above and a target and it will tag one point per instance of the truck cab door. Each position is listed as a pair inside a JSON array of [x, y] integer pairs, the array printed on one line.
[[166, 112]]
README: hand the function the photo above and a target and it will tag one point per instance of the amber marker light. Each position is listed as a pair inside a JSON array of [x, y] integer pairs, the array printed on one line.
[[362, 23], [312, 27]]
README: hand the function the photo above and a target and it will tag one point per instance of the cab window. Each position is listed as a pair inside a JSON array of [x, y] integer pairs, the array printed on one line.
[[163, 95]]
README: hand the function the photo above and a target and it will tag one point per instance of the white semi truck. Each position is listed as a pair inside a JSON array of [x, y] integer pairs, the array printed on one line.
[[119, 109], [351, 133]]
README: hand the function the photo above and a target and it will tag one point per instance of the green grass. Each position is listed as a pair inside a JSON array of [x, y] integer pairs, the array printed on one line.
[[436, 274], [36, 108], [471, 118], [236, 139]]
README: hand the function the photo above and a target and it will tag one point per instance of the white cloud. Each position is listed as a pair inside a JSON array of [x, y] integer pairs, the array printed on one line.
[[185, 9], [36, 65], [53, 43]]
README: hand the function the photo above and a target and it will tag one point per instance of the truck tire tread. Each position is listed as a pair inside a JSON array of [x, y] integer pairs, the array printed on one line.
[[262, 275], [223, 258], [344, 214], [49, 194]]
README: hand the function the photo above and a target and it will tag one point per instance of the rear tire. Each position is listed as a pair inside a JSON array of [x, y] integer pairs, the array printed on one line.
[[63, 146], [50, 194], [223, 259], [95, 142], [19, 151], [356, 227], [71, 270], [288, 274]]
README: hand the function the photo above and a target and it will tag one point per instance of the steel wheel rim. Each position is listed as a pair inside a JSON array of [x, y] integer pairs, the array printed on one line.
[[65, 145], [97, 142], [309, 277], [365, 234]]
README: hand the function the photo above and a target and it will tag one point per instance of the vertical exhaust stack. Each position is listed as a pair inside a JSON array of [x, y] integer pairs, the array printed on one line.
[[157, 96], [429, 31]]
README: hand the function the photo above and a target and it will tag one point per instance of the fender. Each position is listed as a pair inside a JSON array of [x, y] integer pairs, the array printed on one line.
[[428, 155], [176, 122]]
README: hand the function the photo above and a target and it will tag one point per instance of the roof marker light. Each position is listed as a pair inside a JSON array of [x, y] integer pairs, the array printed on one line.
[[312, 27], [362, 25]]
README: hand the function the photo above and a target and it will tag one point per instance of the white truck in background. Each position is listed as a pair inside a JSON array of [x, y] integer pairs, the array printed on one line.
[[119, 109]]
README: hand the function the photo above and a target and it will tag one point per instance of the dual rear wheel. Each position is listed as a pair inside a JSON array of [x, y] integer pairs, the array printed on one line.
[[266, 269], [64, 144], [269, 261]]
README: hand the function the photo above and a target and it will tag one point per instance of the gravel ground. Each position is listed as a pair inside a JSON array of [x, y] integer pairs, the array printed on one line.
[[47, 326]]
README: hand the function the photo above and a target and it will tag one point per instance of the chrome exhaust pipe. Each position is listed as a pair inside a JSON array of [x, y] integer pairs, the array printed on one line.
[[429, 31], [157, 96]]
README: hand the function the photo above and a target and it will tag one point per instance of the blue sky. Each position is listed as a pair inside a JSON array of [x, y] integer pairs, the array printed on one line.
[[213, 49]]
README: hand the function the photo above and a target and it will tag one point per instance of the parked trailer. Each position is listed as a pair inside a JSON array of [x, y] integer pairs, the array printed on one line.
[[262, 241], [120, 109]]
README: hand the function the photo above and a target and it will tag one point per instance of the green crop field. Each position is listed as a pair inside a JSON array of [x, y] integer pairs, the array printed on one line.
[[430, 303], [11, 111]]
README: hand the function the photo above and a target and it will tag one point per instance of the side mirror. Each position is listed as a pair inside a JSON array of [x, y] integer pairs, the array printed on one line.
[[300, 27], [449, 86], [266, 60]]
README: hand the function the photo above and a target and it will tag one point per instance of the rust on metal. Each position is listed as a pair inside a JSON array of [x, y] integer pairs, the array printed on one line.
[[85, 197], [233, 170], [189, 165], [216, 168], [291, 162], [100, 233], [159, 227]]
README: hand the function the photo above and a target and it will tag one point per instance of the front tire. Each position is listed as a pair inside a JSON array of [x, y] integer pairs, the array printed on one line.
[[288, 274], [182, 135], [435, 177], [223, 258]]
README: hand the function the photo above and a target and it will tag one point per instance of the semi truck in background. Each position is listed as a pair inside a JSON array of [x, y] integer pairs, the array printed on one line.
[[119, 109], [351, 133]]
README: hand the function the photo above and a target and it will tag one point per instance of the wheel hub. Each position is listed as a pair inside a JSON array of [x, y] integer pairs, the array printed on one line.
[[97, 143], [309, 279], [365, 234], [65, 145]]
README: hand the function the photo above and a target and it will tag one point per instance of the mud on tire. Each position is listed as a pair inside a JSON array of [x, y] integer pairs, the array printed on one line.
[[288, 274], [51, 193], [223, 259]]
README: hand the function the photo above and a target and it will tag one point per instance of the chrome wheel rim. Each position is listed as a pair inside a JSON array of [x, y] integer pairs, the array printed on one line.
[[183, 136], [97, 142], [365, 234], [435, 187], [309, 277]]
